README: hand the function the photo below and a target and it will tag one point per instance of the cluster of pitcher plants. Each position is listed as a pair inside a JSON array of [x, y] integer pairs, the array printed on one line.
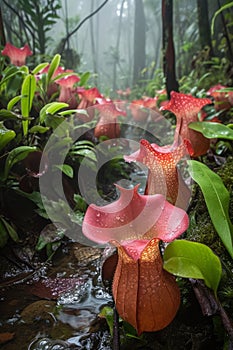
[[34, 102]]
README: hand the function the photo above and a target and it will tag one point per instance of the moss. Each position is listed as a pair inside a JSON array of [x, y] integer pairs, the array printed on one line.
[[202, 230]]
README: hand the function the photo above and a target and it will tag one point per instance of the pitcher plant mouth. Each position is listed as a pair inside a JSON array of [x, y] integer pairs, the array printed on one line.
[[134, 216]]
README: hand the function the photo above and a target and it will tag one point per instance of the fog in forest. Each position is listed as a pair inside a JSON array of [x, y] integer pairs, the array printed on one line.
[[105, 41]]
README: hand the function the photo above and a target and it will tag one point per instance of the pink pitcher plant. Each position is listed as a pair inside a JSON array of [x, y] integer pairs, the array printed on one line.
[[145, 295], [108, 124], [68, 91], [17, 55], [163, 174], [186, 109]]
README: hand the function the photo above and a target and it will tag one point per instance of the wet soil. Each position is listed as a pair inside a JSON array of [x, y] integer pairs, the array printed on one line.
[[57, 306]]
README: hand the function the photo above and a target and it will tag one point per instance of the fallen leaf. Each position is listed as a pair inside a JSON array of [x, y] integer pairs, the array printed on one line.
[[52, 288], [5, 337]]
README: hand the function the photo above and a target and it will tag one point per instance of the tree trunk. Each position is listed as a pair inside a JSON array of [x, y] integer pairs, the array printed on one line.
[[204, 26], [139, 41], [129, 46], [93, 47], [2, 32], [168, 47], [117, 51], [227, 34]]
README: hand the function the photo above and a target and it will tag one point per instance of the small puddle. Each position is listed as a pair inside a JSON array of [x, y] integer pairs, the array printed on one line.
[[43, 313]]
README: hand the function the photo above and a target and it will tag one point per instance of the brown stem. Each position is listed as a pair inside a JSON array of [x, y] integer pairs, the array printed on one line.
[[211, 306], [116, 335]]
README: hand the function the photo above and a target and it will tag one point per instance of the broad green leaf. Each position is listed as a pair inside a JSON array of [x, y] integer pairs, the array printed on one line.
[[53, 66], [40, 66], [66, 169], [217, 200], [193, 260], [13, 102], [55, 107], [212, 130], [38, 128], [15, 156], [27, 92], [6, 135]]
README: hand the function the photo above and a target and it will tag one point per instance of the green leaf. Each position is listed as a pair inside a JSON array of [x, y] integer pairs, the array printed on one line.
[[84, 78], [53, 66], [10, 230], [49, 234], [224, 7], [27, 92], [54, 107], [66, 169], [43, 112], [193, 260], [84, 143], [9, 73], [217, 200], [13, 102], [16, 155], [5, 114], [70, 111], [53, 121], [40, 66], [38, 128], [84, 152], [6, 135], [212, 130], [108, 313], [3, 234], [80, 204]]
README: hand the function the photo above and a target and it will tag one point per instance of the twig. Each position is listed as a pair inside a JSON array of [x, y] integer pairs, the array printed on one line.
[[211, 306], [80, 24]]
